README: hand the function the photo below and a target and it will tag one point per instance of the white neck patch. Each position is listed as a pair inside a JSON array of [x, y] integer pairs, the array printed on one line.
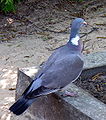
[[75, 40]]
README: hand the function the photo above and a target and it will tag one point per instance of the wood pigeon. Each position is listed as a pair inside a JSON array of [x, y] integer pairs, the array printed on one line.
[[63, 67]]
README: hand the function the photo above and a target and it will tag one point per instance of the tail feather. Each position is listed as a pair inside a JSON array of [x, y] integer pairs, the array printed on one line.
[[25, 101], [21, 105]]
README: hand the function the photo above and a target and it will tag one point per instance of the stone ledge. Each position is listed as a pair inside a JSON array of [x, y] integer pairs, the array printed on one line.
[[93, 60], [86, 103]]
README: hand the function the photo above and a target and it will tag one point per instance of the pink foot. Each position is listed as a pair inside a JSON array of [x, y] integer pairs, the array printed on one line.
[[71, 94]]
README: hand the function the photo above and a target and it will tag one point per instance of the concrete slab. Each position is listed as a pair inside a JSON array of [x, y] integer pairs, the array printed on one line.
[[93, 60], [86, 103]]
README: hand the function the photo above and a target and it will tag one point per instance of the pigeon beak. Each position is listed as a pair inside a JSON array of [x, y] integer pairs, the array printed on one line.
[[85, 23]]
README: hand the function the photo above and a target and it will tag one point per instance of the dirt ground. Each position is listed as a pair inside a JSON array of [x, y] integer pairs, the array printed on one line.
[[96, 86], [30, 35]]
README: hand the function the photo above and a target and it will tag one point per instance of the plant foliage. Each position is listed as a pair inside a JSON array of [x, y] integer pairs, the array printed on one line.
[[8, 5]]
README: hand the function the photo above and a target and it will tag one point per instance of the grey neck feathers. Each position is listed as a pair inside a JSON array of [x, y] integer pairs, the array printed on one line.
[[74, 32], [74, 40]]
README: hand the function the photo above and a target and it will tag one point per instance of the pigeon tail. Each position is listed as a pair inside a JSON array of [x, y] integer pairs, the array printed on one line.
[[24, 102], [21, 105]]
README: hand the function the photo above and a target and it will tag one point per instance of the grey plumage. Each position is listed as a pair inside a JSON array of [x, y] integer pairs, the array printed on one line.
[[66, 66], [62, 67]]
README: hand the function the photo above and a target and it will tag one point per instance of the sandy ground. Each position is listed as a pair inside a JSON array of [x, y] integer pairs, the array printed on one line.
[[24, 52], [32, 50]]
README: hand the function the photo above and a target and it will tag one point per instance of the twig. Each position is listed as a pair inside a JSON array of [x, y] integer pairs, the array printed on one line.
[[47, 30], [94, 29], [101, 37]]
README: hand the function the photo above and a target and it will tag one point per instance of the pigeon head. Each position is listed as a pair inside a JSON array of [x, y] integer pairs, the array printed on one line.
[[74, 40], [76, 25]]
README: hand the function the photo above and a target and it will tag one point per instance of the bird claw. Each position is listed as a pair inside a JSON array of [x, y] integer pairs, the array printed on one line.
[[70, 94]]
